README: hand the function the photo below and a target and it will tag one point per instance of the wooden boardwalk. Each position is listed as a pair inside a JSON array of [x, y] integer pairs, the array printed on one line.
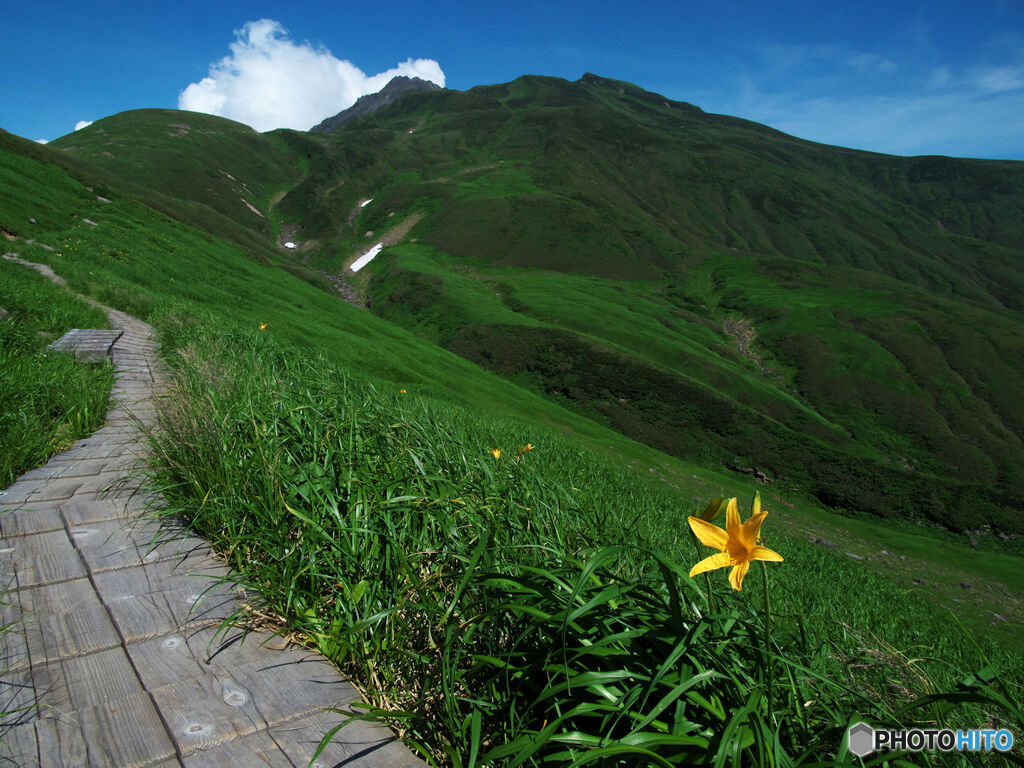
[[114, 658]]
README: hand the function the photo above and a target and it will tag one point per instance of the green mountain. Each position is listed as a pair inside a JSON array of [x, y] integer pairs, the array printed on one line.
[[839, 322]]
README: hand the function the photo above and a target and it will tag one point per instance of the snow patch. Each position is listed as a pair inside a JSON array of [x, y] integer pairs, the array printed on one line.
[[366, 258], [365, 203], [290, 244]]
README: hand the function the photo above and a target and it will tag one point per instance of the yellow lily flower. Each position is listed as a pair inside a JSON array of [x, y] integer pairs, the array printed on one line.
[[738, 543], [496, 453]]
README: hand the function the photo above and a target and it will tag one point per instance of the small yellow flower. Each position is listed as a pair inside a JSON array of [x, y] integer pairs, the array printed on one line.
[[527, 447], [738, 543], [402, 391], [496, 453], [263, 326]]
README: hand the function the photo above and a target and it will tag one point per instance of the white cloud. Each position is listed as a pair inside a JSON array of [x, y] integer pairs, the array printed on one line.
[[82, 124], [42, 141], [999, 79], [268, 81]]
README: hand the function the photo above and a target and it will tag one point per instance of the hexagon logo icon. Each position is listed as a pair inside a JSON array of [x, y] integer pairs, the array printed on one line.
[[861, 738]]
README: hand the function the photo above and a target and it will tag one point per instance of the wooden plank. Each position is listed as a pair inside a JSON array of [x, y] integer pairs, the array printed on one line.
[[121, 544], [21, 490], [106, 438], [43, 558], [49, 471], [165, 538], [81, 512], [82, 452], [17, 699], [164, 660], [65, 619], [160, 598], [51, 690], [84, 466], [60, 743], [105, 545], [109, 482], [13, 643], [356, 745], [204, 712], [19, 746], [127, 733], [32, 518], [88, 345], [98, 678], [55, 490], [257, 750], [285, 683]]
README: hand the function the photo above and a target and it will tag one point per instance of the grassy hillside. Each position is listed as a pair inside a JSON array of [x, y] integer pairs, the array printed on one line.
[[216, 174], [846, 323], [48, 401]]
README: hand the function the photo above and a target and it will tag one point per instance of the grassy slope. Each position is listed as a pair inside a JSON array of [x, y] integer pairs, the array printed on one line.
[[215, 173], [879, 293], [148, 263], [48, 401]]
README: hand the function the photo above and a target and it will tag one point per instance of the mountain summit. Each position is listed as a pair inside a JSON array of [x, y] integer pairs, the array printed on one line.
[[371, 102]]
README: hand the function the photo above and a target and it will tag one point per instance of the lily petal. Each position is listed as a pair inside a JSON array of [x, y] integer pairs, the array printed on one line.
[[732, 519], [751, 530], [736, 577], [763, 553], [709, 535], [721, 560]]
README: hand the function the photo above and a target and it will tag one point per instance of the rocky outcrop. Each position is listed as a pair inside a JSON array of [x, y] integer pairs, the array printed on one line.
[[399, 86]]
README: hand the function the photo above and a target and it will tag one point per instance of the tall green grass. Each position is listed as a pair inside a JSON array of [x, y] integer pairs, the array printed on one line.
[[47, 400], [533, 608]]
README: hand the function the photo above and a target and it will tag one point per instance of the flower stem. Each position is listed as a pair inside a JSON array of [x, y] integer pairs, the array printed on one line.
[[769, 666]]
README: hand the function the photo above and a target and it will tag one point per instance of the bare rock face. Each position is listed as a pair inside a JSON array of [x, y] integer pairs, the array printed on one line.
[[399, 86]]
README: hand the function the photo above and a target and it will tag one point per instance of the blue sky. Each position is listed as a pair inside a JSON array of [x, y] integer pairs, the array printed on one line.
[[900, 77]]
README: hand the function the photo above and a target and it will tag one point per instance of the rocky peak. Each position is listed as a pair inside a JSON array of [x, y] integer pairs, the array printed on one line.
[[371, 102]]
